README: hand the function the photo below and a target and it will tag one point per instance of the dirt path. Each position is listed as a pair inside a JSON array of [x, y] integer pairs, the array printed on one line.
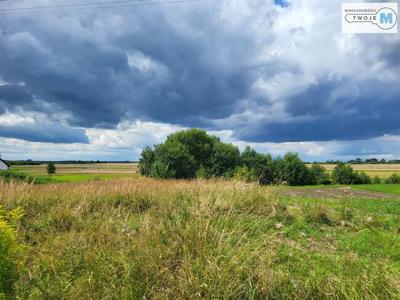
[[341, 192]]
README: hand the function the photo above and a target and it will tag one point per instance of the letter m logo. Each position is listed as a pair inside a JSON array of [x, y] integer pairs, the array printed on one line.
[[386, 18]]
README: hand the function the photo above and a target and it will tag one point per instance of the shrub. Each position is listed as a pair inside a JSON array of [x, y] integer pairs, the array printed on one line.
[[343, 174], [318, 175], [376, 180], [9, 253], [202, 173], [180, 156], [295, 172], [255, 161], [393, 179], [161, 170], [15, 176], [361, 178], [245, 174]]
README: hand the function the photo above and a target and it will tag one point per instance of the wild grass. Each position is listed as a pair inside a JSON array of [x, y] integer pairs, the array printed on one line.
[[143, 238]]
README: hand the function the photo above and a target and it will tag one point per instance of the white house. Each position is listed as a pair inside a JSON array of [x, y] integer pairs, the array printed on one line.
[[3, 165]]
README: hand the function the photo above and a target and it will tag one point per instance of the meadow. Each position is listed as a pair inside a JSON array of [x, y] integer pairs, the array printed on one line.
[[141, 238], [80, 172]]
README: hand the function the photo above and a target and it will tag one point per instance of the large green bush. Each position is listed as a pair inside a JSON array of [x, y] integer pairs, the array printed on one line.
[[393, 179], [187, 154], [224, 159], [344, 174], [195, 154], [318, 175], [295, 171]]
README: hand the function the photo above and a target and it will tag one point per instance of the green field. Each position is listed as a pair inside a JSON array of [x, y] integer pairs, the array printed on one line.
[[139, 238], [384, 188], [80, 172], [104, 232]]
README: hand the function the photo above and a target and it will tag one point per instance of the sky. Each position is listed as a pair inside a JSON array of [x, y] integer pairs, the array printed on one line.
[[279, 75]]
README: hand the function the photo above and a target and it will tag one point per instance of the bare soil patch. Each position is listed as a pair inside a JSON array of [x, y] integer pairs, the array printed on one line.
[[339, 192]]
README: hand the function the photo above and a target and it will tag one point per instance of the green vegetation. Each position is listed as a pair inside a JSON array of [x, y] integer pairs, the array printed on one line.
[[145, 238], [384, 188], [10, 252], [193, 153], [393, 179], [51, 169], [70, 173], [15, 176], [344, 174]]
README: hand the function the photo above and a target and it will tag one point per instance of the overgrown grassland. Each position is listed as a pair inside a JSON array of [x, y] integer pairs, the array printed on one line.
[[143, 238]]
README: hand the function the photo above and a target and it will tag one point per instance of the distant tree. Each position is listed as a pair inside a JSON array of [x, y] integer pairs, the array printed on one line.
[[51, 168], [371, 161]]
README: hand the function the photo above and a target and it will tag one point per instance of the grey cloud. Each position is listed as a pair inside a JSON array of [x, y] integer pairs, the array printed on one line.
[[79, 63], [51, 133]]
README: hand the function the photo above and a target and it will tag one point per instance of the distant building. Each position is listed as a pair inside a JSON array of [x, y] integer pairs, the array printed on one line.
[[3, 165]]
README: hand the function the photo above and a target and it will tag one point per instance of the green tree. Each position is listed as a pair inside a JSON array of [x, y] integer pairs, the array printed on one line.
[[197, 142], [224, 159], [146, 161], [175, 159], [295, 171], [318, 175], [51, 168], [343, 174], [255, 161]]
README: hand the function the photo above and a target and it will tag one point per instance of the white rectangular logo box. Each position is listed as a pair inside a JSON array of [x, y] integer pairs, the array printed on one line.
[[369, 17]]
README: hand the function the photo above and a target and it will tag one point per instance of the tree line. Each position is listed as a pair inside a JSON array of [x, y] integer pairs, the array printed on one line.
[[193, 153]]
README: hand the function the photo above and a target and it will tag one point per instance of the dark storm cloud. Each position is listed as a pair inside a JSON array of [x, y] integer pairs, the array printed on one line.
[[329, 110], [12, 96], [190, 67], [51, 133], [205, 67]]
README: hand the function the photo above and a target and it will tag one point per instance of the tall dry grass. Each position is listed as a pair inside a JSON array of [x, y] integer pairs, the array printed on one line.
[[145, 238]]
